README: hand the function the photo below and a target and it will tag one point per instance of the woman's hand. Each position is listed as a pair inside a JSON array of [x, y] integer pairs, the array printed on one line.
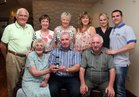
[[43, 84]]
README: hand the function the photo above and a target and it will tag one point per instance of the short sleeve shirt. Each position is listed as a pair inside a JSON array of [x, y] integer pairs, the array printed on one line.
[[120, 36], [96, 66], [18, 39]]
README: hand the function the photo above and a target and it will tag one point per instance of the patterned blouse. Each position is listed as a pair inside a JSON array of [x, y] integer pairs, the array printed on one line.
[[83, 40], [47, 39], [59, 30]]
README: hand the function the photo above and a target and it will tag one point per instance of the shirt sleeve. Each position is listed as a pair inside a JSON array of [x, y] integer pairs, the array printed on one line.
[[6, 35], [52, 58], [77, 58], [110, 62], [130, 35], [30, 60], [84, 60]]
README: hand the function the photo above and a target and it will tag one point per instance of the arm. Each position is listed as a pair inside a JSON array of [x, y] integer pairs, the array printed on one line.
[[110, 90], [45, 82], [35, 72], [74, 68], [126, 48], [4, 49], [92, 30], [83, 87]]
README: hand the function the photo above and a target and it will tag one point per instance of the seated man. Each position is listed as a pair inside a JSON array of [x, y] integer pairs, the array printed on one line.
[[97, 70], [65, 65]]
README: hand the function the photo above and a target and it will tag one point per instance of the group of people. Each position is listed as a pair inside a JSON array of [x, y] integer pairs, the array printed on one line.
[[78, 59]]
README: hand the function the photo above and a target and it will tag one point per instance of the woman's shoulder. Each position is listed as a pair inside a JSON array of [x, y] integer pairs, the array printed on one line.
[[38, 32], [51, 32], [91, 27], [31, 53], [58, 27]]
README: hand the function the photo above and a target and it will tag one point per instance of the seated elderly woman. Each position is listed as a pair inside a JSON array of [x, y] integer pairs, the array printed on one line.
[[36, 74]]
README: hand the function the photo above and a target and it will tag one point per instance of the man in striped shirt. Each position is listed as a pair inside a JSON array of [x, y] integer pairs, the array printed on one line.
[[65, 64]]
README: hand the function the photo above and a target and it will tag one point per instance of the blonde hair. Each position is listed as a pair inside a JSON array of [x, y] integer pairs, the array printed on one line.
[[105, 15], [66, 14]]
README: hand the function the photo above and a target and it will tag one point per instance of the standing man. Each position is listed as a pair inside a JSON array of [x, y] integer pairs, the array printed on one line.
[[16, 42], [122, 40], [65, 64], [97, 70]]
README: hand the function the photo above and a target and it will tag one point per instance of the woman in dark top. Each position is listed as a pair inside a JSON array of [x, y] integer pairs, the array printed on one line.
[[104, 30]]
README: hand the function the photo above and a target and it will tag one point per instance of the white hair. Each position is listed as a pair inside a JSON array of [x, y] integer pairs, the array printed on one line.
[[98, 36], [22, 9], [38, 41]]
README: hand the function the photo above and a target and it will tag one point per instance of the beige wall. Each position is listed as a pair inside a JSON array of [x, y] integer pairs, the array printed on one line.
[[131, 15]]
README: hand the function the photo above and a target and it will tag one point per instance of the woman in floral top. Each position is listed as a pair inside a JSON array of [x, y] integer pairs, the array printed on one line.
[[64, 28], [85, 32]]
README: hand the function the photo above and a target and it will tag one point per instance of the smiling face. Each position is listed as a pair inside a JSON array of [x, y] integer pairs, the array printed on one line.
[[97, 44], [117, 18], [65, 21], [22, 17], [44, 23], [85, 20], [39, 48], [65, 40], [103, 20]]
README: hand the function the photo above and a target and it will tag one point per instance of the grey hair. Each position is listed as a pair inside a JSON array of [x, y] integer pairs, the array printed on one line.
[[22, 9], [98, 36], [66, 14], [65, 33], [38, 41]]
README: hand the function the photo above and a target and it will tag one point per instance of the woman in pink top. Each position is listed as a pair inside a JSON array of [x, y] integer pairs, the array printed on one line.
[[85, 32], [45, 33]]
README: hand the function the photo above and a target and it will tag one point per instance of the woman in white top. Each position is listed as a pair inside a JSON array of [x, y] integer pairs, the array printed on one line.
[[64, 28], [45, 33]]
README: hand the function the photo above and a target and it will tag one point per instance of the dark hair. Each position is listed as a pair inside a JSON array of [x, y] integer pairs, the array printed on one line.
[[118, 11], [45, 16]]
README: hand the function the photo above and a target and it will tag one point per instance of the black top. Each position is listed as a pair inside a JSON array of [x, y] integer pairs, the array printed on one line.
[[105, 36]]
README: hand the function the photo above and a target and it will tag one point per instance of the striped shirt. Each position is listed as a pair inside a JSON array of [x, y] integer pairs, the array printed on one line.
[[66, 58]]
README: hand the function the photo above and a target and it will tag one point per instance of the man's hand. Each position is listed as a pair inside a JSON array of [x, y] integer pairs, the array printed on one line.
[[53, 68], [110, 91], [83, 89]]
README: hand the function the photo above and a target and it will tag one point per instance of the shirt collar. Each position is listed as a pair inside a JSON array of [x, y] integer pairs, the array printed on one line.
[[18, 26], [61, 48], [101, 51], [120, 25]]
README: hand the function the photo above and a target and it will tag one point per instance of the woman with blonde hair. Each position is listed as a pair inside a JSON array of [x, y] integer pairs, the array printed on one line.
[[104, 30], [65, 27], [85, 32]]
